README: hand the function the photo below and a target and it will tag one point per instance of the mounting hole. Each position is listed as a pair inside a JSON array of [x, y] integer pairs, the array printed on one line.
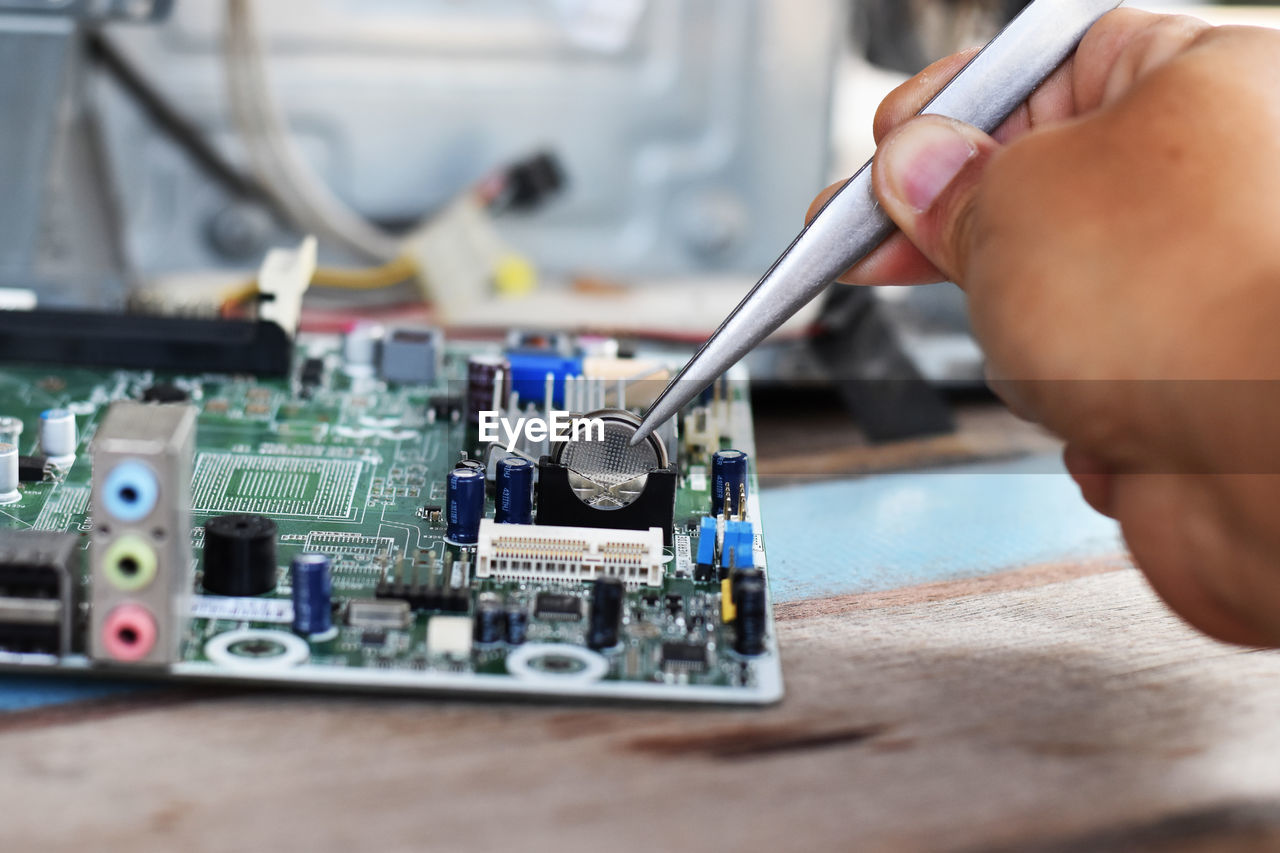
[[556, 662], [257, 649]]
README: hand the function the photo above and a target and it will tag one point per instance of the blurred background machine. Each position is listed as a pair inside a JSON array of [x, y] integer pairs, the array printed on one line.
[[629, 166]]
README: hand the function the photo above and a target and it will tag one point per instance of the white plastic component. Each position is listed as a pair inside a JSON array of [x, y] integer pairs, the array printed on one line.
[[58, 437], [538, 552], [283, 278], [449, 635], [458, 251], [360, 347], [8, 473], [702, 429]]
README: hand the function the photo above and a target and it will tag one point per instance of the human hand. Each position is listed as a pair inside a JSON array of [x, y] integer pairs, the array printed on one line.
[[1116, 239]]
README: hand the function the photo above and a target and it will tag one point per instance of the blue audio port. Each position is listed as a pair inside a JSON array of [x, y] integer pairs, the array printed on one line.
[[130, 491]]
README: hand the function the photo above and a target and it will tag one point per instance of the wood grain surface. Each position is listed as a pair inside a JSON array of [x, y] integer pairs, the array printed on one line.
[[1055, 708]]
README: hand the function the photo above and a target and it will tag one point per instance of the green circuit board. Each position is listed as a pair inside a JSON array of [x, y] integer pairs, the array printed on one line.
[[354, 467]]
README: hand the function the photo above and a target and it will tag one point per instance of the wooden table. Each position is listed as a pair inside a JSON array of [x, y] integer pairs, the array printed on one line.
[[1051, 708]]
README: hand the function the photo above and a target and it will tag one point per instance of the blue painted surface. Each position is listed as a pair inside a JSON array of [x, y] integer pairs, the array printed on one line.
[[890, 531], [19, 693], [875, 533]]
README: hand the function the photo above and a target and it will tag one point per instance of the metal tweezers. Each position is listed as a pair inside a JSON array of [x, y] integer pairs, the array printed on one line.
[[851, 224]]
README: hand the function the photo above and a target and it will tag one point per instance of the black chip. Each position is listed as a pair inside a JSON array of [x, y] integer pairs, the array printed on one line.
[[675, 603], [551, 605], [686, 655], [649, 598], [312, 371], [163, 392], [31, 468], [446, 406], [373, 638]]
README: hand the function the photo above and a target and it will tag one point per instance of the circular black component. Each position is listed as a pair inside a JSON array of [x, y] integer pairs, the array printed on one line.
[[163, 392], [606, 613], [240, 555], [749, 626]]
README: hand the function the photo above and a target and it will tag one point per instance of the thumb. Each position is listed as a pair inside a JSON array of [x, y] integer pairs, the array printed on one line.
[[926, 176]]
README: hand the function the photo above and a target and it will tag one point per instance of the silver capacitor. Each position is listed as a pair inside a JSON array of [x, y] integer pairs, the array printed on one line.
[[58, 438], [8, 473], [10, 429]]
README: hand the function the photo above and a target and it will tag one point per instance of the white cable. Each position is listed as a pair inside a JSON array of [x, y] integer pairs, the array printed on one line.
[[274, 155]]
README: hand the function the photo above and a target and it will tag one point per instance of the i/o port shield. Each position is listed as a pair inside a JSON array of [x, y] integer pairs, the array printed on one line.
[[544, 552]]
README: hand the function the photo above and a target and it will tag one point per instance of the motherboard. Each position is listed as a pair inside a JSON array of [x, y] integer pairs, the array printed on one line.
[[392, 511]]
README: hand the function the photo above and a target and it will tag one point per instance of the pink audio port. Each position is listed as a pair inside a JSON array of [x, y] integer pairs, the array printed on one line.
[[129, 633]]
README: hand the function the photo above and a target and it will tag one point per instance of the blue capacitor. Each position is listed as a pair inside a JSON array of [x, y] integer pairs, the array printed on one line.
[[728, 475], [514, 502], [312, 584], [464, 505]]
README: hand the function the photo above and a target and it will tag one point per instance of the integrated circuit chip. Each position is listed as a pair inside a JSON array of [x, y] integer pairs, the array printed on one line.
[[689, 656], [558, 606]]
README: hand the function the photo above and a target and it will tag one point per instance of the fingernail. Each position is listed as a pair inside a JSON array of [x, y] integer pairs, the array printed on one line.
[[922, 159]]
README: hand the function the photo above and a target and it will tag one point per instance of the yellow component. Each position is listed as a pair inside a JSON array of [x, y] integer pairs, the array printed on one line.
[[514, 275], [728, 610], [240, 293], [373, 278]]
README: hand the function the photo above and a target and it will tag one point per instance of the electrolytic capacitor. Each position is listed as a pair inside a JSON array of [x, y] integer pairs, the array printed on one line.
[[472, 464], [8, 473], [728, 482], [464, 505], [749, 625], [489, 624], [312, 581], [10, 429], [606, 613], [58, 439], [517, 625], [514, 502], [488, 385]]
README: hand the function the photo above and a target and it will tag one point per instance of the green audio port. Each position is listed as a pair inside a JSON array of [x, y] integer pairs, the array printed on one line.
[[130, 563]]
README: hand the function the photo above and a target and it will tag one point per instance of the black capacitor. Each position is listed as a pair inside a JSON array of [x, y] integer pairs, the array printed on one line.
[[728, 481], [489, 625], [517, 625], [606, 613], [239, 555], [488, 385], [749, 626], [738, 576]]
